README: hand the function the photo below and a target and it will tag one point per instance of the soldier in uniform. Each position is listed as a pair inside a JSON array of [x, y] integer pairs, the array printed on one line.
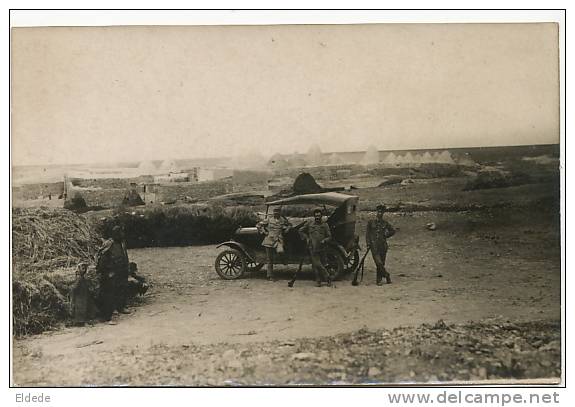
[[113, 268], [80, 297], [137, 284], [316, 234], [378, 231], [274, 230]]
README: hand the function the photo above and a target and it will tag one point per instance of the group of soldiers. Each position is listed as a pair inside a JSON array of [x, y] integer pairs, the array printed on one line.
[[118, 281], [316, 234]]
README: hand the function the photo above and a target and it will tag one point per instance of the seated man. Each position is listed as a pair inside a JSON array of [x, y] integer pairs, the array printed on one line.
[[137, 284], [274, 229]]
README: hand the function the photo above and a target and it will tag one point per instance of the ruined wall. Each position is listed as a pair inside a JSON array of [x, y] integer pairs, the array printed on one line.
[[104, 198]]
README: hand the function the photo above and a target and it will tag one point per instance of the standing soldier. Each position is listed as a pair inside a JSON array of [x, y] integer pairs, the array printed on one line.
[[274, 230], [378, 231], [80, 297], [113, 267], [316, 234]]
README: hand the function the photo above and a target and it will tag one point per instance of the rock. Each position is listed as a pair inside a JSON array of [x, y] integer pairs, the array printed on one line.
[[390, 180], [553, 345], [482, 373], [440, 324], [373, 371], [303, 356], [431, 226]]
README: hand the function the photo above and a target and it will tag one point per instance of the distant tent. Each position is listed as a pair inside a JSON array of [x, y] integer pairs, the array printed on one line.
[[417, 158], [371, 156], [445, 157], [314, 156], [426, 157], [390, 158], [169, 166], [408, 158]]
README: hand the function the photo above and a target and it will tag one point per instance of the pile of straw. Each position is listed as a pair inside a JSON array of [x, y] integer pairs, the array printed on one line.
[[45, 239], [47, 244]]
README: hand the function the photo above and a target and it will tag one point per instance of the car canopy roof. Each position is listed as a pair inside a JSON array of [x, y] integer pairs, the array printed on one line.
[[326, 198]]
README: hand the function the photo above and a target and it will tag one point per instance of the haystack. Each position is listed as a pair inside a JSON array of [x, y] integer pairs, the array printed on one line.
[[47, 245], [305, 184]]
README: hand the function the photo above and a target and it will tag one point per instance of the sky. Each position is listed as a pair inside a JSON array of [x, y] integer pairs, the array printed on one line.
[[105, 94]]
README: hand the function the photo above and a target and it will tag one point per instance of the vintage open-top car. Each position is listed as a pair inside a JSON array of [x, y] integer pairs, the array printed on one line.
[[245, 253]]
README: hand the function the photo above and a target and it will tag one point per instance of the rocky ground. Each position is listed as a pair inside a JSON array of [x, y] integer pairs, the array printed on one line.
[[440, 352]]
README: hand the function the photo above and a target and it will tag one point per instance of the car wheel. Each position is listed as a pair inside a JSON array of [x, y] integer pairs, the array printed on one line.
[[334, 264], [231, 264]]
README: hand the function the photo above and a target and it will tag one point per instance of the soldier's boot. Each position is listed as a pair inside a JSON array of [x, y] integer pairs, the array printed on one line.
[[270, 272], [387, 276], [328, 277], [379, 276]]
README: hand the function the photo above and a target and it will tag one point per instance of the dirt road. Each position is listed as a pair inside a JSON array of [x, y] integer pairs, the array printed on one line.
[[477, 266]]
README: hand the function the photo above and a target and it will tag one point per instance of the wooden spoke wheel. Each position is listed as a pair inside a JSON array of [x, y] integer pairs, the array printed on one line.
[[231, 264]]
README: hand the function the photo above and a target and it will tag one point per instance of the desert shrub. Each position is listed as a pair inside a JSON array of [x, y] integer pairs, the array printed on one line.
[[178, 225], [76, 203], [438, 170]]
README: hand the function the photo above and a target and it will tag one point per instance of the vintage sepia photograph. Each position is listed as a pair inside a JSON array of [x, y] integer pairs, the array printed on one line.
[[286, 204]]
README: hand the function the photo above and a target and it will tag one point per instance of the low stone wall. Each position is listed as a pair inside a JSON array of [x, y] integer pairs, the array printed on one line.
[[35, 191], [110, 183], [200, 191]]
